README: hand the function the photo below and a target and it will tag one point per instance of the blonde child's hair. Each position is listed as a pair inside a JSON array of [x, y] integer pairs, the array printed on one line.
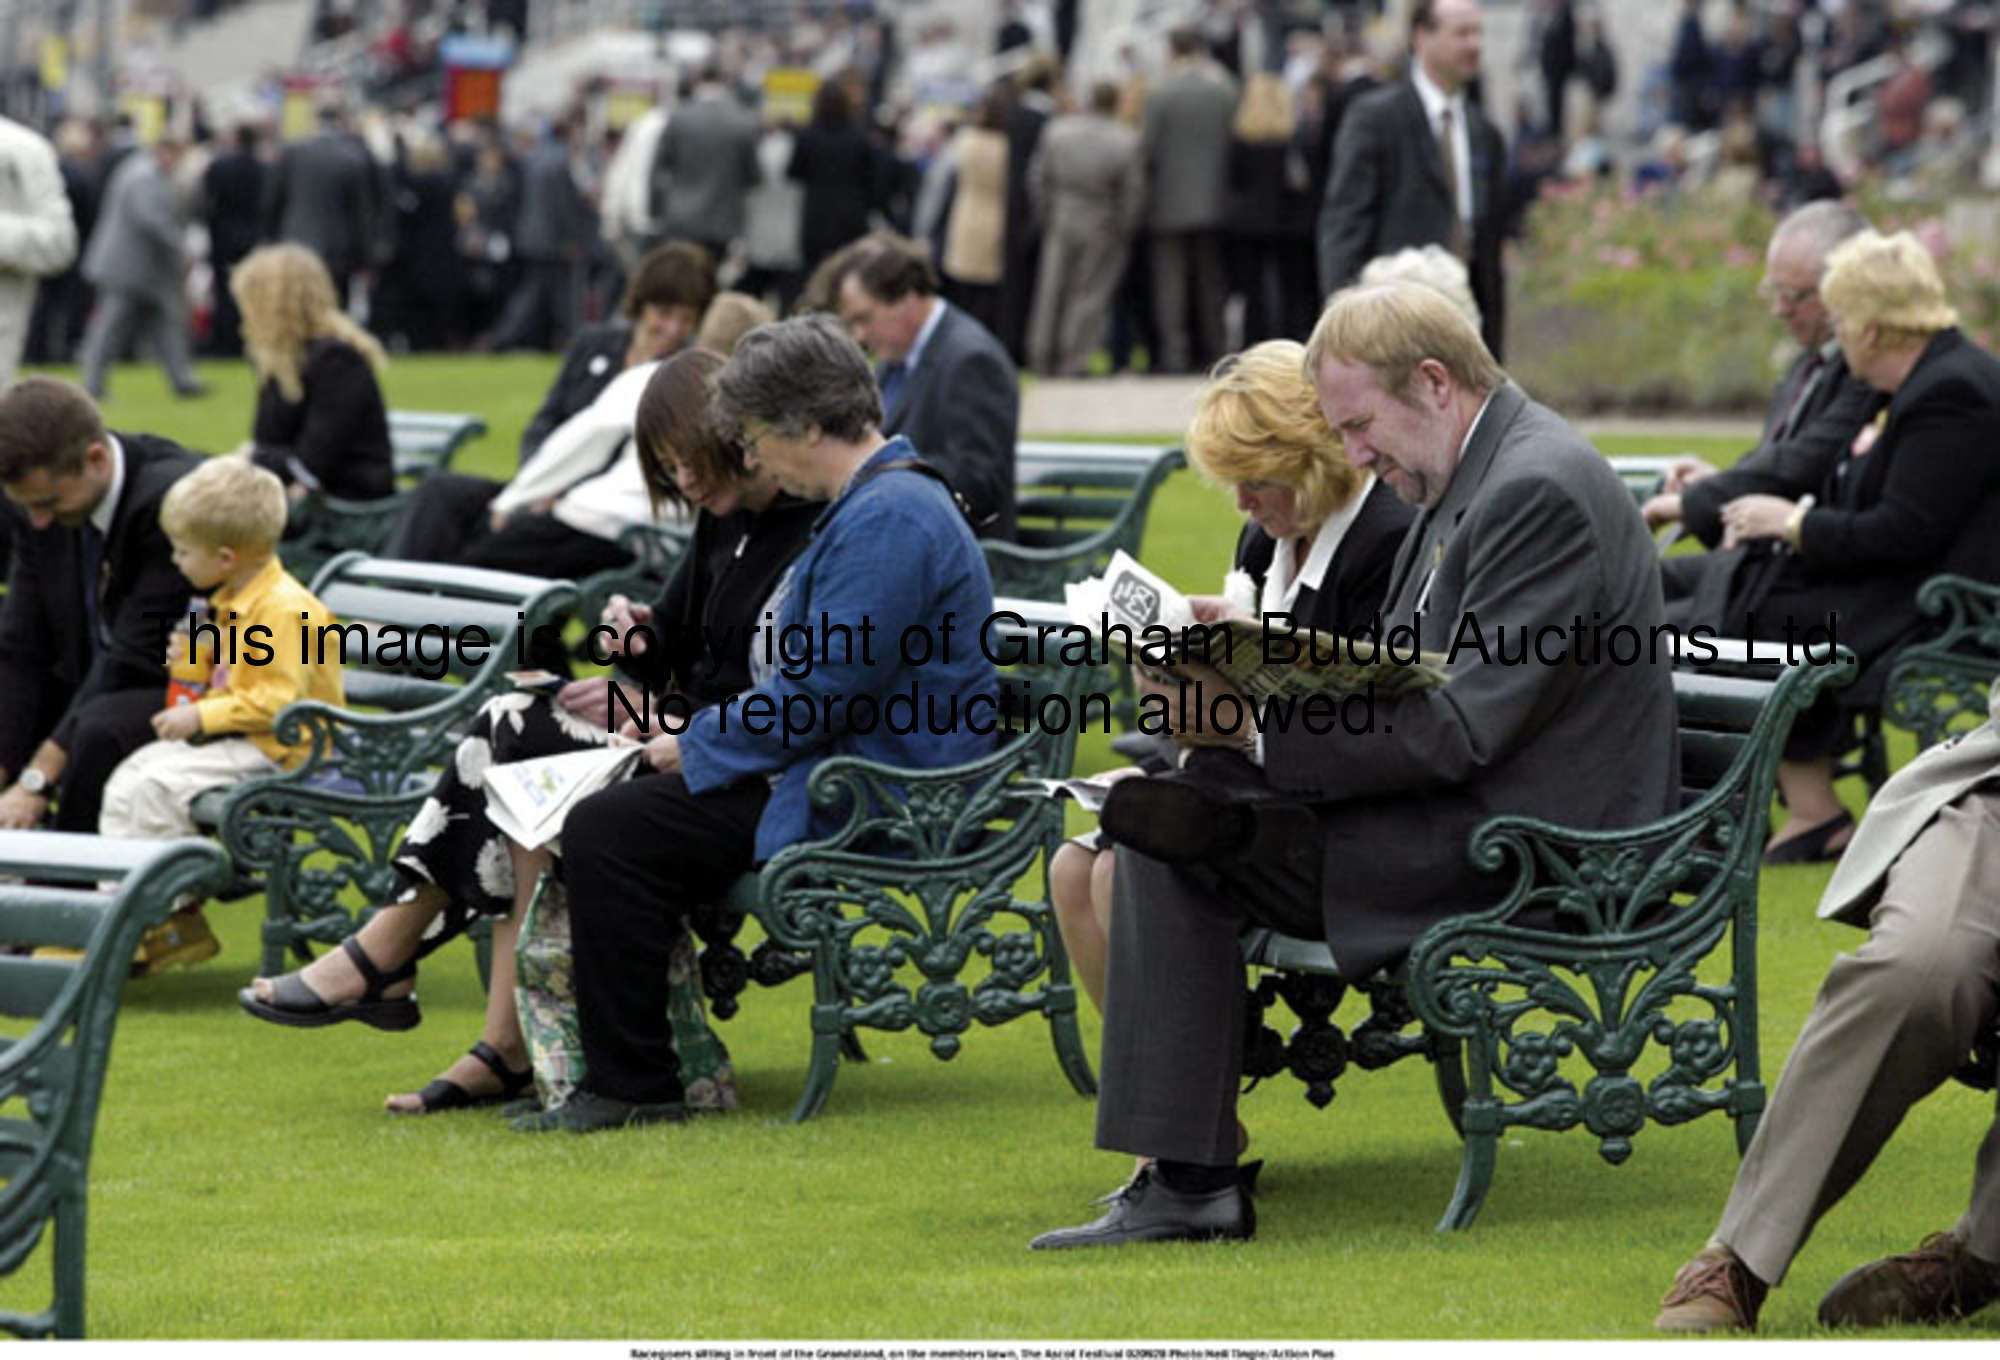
[[227, 503]]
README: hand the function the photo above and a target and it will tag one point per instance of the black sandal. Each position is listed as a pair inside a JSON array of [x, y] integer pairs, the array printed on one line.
[[295, 1004], [442, 1093], [1810, 845]]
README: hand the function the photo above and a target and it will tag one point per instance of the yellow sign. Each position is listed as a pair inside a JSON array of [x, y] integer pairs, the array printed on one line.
[[55, 62], [624, 105], [148, 113], [788, 94]]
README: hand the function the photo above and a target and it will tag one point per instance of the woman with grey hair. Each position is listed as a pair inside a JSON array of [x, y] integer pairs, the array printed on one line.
[[1434, 267], [890, 555]]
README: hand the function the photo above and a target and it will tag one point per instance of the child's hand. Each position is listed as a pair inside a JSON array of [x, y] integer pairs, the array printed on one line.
[[177, 723]]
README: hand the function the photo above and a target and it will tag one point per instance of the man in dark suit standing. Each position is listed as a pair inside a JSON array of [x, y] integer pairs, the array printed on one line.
[[90, 590], [1817, 410], [326, 194], [1418, 163], [946, 382], [1359, 838], [232, 192], [552, 219]]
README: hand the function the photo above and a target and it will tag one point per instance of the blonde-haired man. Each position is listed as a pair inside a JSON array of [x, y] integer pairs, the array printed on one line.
[[224, 520], [1358, 837]]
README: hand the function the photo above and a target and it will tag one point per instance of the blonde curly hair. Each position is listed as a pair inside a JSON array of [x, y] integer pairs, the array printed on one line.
[[287, 300], [1259, 420]]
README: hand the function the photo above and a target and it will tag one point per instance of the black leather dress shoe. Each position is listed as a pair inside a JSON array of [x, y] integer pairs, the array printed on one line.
[[1175, 821], [1146, 1210]]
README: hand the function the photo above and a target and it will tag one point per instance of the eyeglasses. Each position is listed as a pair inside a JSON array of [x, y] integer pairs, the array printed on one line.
[[1786, 298]]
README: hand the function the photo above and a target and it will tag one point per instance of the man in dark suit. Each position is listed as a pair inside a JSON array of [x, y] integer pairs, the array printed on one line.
[[552, 219], [328, 195], [1359, 838], [1393, 183], [90, 590], [1817, 409], [232, 191], [946, 382]]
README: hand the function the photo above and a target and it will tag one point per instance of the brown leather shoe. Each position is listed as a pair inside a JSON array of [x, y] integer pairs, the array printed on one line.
[[1713, 1292], [1938, 1282]]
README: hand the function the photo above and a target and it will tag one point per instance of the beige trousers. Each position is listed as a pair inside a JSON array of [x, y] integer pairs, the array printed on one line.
[[150, 793], [1892, 1021]]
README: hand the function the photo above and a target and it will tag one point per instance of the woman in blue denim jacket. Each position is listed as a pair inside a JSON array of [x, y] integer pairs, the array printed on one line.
[[883, 607]]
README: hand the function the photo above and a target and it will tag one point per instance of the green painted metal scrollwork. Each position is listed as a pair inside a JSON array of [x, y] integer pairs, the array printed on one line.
[[1940, 684], [1593, 959], [893, 908]]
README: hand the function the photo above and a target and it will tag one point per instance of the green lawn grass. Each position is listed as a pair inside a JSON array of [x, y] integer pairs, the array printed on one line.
[[246, 1184]]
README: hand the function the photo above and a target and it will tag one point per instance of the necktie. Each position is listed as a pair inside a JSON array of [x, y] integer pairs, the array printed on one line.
[[92, 545], [892, 385], [1809, 373], [1448, 154]]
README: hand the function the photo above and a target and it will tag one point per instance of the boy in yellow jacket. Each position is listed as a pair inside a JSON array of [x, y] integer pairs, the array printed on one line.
[[224, 520]]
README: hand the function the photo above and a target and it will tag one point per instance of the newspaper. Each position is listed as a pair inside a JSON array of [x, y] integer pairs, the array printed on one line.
[[528, 799], [1088, 791], [1303, 661]]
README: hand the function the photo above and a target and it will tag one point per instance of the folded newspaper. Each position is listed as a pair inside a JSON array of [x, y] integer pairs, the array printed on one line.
[[528, 799], [1088, 790], [1264, 659]]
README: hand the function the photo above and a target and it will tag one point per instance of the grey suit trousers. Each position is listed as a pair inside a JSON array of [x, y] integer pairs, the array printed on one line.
[[1892, 1021], [1073, 292], [1174, 1003], [118, 314]]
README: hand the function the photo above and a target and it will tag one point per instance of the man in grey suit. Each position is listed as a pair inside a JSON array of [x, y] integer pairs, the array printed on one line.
[[946, 381], [1892, 1022], [134, 261], [1088, 187], [1359, 837], [1817, 409], [1186, 136], [708, 157], [1393, 183], [327, 194]]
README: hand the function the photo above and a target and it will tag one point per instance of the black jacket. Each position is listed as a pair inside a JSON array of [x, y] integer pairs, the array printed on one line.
[[1387, 191], [961, 407], [718, 592], [1925, 499], [1796, 454], [49, 668], [336, 435], [1356, 584], [595, 356]]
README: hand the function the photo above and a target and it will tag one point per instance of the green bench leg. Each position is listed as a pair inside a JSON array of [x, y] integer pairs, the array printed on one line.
[[68, 1262], [1068, 1039], [1475, 1169], [1448, 1068], [829, 1035]]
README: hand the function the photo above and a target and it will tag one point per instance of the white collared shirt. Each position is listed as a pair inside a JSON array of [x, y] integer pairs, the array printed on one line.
[[106, 508], [1285, 579], [1435, 102], [923, 340]]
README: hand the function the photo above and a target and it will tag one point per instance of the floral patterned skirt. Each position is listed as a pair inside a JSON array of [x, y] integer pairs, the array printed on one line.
[[450, 842]]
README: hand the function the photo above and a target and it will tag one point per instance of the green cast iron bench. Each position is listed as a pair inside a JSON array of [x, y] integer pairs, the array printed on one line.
[[916, 877], [335, 821], [1076, 504], [420, 443], [55, 1038], [1532, 1027], [1938, 685]]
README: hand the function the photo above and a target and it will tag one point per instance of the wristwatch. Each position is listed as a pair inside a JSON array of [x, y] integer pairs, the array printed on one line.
[[33, 781]]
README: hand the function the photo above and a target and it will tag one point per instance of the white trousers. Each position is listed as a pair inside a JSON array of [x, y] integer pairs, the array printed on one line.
[[150, 793]]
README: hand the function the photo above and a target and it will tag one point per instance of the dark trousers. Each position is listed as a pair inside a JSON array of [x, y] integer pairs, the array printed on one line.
[[540, 313], [636, 857], [109, 728], [1173, 1001], [1278, 277], [446, 511], [1188, 293]]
